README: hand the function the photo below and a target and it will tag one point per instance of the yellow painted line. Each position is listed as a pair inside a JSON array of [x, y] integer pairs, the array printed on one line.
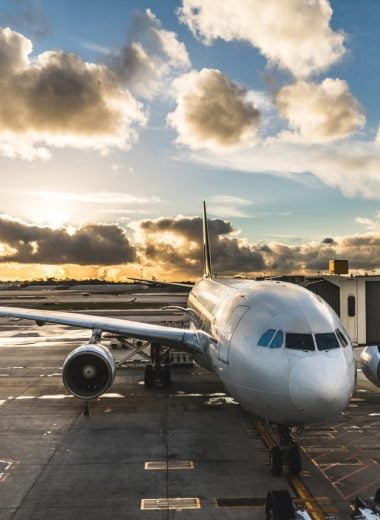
[[304, 494], [264, 433]]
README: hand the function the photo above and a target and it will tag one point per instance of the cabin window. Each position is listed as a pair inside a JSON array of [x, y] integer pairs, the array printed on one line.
[[351, 306], [342, 338], [266, 337], [296, 341], [278, 340], [326, 341]]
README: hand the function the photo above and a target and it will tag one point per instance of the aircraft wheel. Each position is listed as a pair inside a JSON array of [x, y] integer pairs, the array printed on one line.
[[148, 376], [275, 461], [166, 376], [294, 458], [279, 506]]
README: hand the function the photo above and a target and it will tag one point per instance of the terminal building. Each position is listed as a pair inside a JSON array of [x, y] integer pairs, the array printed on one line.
[[356, 299]]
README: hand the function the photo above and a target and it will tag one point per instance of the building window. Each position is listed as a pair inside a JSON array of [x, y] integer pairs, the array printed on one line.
[[351, 306]]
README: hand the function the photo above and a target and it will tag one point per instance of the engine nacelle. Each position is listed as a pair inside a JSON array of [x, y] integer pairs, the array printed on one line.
[[370, 363], [88, 371]]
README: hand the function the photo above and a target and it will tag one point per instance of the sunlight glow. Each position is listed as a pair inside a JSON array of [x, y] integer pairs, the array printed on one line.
[[49, 213]]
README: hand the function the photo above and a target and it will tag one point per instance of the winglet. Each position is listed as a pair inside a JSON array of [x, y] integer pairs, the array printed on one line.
[[207, 270]]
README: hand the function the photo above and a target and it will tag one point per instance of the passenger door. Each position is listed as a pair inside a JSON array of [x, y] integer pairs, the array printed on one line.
[[227, 330]]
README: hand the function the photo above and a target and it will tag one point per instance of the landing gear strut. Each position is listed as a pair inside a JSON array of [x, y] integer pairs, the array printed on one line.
[[287, 452], [157, 374]]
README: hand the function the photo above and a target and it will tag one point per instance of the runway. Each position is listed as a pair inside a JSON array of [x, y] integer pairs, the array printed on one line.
[[57, 463]]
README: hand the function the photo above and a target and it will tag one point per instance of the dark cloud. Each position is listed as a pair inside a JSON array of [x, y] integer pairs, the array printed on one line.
[[177, 244], [329, 241], [91, 244], [173, 247]]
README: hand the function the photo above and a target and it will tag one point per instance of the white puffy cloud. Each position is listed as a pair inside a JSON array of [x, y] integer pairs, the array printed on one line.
[[292, 34], [57, 99], [212, 112], [319, 113], [149, 56]]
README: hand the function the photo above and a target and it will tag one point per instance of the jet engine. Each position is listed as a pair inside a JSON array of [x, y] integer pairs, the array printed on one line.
[[370, 363], [88, 371]]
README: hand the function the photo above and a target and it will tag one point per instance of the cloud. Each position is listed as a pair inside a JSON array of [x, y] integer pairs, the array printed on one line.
[[319, 113], [229, 206], [57, 99], [168, 247], [27, 17], [369, 223], [91, 198], [90, 244], [212, 112], [149, 55], [351, 166], [175, 244], [292, 34], [329, 241]]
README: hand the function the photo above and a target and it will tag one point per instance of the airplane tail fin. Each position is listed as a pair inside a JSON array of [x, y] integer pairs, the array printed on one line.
[[207, 270]]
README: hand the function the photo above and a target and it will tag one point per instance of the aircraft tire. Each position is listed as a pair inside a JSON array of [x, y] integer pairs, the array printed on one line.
[[279, 506], [148, 376], [294, 458], [275, 461]]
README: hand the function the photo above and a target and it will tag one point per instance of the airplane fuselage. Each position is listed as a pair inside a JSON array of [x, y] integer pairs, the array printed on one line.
[[279, 349]]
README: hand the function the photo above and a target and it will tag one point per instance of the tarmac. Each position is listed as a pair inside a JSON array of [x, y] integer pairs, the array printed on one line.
[[210, 460]]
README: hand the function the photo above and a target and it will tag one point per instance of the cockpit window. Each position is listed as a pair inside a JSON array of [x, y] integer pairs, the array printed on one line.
[[266, 337], [278, 340], [342, 338], [326, 341], [298, 341]]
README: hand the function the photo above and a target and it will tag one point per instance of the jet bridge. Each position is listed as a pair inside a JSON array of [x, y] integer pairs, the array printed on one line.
[[357, 302]]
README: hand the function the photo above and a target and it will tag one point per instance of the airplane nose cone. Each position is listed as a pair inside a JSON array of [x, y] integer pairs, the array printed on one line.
[[320, 386]]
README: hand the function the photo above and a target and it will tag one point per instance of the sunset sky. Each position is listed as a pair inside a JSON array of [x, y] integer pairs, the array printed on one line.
[[118, 118]]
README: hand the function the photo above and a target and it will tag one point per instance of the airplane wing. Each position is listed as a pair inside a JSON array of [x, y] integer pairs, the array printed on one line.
[[160, 282], [192, 341]]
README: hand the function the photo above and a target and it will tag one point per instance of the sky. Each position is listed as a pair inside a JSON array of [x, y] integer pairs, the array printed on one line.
[[118, 118]]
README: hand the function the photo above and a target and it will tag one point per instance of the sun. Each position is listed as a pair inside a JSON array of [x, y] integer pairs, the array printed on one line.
[[54, 214]]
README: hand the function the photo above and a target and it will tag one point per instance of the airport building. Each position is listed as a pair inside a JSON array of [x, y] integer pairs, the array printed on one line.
[[356, 299]]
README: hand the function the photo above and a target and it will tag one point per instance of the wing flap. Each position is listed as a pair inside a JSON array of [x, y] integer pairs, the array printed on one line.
[[192, 341]]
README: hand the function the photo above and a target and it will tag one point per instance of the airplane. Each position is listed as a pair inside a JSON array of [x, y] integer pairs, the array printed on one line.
[[280, 350]]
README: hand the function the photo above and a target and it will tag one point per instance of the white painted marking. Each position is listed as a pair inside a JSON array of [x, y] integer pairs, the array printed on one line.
[[55, 396], [170, 503], [169, 465], [111, 395]]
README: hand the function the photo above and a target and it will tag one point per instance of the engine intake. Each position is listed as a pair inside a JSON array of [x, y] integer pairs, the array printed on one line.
[[370, 363], [88, 371]]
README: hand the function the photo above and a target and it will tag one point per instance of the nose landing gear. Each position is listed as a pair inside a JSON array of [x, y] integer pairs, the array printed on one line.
[[286, 453]]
